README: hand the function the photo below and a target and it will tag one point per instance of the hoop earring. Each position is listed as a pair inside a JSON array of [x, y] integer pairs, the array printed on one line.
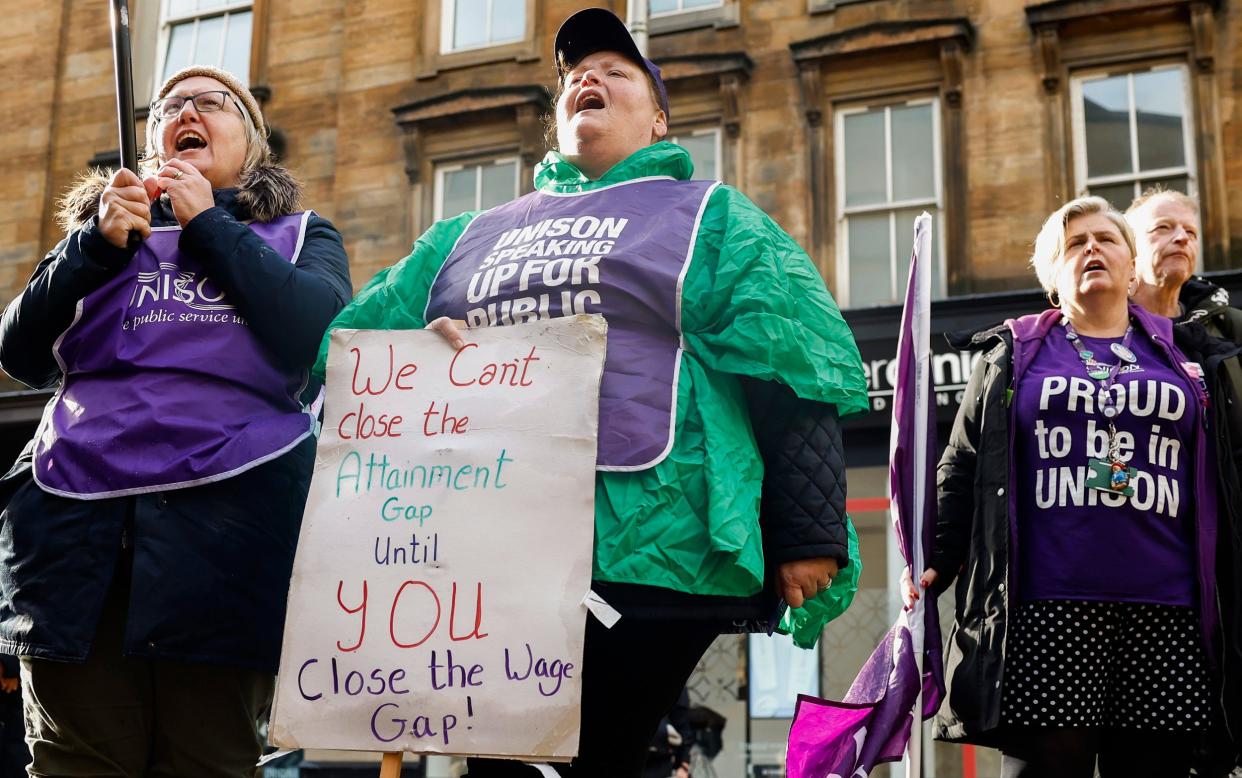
[[1054, 299]]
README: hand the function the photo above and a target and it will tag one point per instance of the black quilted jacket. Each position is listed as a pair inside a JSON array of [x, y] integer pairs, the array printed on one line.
[[802, 513]]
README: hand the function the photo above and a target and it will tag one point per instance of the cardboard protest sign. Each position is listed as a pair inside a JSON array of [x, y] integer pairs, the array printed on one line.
[[436, 603]]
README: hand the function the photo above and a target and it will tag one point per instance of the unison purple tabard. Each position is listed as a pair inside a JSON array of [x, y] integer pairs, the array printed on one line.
[[164, 383], [622, 252]]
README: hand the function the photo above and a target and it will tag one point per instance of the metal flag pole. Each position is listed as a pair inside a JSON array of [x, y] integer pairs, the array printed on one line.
[[922, 346], [122, 70]]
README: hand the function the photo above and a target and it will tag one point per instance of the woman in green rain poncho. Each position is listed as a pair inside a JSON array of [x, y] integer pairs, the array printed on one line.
[[729, 366]]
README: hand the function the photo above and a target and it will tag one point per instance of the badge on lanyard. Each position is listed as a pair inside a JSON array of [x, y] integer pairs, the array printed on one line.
[[1111, 475]]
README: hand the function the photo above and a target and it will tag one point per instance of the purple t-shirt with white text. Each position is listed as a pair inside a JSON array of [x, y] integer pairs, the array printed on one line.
[[1080, 543]]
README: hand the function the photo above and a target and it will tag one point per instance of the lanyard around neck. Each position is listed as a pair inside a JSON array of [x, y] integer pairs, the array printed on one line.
[[1106, 375]]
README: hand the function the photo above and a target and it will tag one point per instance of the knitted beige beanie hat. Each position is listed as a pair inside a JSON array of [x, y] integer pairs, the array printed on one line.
[[229, 80]]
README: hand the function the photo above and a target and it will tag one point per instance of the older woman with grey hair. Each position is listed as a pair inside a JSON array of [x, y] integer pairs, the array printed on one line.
[[1076, 503], [147, 533]]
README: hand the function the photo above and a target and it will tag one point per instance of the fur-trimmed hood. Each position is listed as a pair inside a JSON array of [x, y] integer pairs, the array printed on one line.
[[265, 193]]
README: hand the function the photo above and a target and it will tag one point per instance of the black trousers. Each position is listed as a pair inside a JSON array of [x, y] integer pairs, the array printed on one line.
[[1055, 752], [114, 716], [632, 676]]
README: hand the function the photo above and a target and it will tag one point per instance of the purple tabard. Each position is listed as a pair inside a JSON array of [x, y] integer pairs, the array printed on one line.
[[622, 252], [165, 385]]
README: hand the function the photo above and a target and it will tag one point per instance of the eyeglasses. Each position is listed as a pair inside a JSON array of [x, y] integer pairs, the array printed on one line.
[[204, 102]]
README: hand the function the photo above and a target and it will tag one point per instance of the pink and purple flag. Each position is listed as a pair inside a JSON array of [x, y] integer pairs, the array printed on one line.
[[873, 724]]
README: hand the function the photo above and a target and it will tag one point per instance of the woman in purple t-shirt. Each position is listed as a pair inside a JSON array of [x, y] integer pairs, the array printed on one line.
[[1077, 503]]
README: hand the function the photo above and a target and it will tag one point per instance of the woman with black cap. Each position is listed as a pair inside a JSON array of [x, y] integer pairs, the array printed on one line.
[[716, 320]]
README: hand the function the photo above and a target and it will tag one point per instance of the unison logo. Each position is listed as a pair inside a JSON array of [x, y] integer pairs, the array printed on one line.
[[170, 282]]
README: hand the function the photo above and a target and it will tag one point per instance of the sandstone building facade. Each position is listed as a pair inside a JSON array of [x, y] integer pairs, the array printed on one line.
[[839, 117]]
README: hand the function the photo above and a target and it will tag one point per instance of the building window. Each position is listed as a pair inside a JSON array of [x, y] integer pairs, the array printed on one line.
[[475, 187], [205, 32], [477, 24], [888, 171], [1132, 131], [704, 148], [661, 7]]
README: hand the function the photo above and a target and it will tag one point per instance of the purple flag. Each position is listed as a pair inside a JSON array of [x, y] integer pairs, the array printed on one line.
[[847, 739]]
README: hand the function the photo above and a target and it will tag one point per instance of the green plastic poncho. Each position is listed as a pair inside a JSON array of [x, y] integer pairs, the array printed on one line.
[[752, 304]]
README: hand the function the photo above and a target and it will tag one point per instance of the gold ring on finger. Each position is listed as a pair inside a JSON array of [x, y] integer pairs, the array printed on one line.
[[177, 175]]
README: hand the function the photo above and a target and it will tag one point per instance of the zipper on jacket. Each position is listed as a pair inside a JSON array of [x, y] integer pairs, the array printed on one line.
[[1011, 527]]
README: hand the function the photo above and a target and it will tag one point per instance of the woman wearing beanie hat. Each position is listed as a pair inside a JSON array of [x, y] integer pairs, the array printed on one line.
[[720, 485], [148, 536]]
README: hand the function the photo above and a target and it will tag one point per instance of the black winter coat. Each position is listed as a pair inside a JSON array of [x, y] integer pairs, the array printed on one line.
[[211, 563], [973, 485], [1220, 360]]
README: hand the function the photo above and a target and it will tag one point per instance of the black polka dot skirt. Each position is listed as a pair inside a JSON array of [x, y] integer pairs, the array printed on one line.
[[1120, 665]]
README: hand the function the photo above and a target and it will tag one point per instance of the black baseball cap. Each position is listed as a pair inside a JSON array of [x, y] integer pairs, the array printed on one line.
[[598, 29]]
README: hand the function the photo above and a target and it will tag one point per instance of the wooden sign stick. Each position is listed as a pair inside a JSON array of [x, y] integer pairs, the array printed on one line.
[[390, 766]]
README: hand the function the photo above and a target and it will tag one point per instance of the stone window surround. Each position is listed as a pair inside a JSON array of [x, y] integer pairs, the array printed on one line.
[[520, 107], [1053, 23], [162, 32], [1078, 128], [432, 61], [933, 203], [722, 16], [725, 73], [447, 26], [524, 107], [942, 40]]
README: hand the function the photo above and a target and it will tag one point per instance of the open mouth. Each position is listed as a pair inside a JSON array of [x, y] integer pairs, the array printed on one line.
[[589, 101], [1094, 265], [190, 140]]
